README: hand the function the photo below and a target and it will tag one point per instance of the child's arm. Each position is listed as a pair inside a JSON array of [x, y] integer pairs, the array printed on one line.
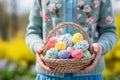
[[107, 27], [34, 29]]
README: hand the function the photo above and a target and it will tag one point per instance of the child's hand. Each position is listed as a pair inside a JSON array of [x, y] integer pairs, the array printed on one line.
[[97, 49], [39, 49], [40, 61]]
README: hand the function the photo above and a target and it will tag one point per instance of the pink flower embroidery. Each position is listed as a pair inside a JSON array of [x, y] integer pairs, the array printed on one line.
[[52, 8], [45, 16], [109, 20], [87, 8], [90, 20], [96, 3], [80, 4], [43, 2], [79, 16]]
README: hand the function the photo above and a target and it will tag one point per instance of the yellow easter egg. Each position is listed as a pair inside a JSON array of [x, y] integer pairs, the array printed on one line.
[[60, 46], [77, 37]]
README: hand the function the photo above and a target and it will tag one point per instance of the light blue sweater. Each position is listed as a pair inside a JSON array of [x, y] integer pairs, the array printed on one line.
[[95, 16]]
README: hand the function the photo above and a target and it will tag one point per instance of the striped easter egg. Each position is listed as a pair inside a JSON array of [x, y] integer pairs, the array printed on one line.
[[65, 39]]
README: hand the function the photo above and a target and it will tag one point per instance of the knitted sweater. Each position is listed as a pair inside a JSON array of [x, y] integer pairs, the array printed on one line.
[[95, 16]]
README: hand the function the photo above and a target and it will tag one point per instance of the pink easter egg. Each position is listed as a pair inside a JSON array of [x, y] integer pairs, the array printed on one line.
[[51, 43], [70, 49], [77, 54]]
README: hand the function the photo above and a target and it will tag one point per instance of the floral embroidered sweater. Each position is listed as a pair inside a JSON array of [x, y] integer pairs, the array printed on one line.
[[95, 16]]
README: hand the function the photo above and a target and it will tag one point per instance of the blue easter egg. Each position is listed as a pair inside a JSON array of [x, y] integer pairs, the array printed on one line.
[[52, 53], [64, 54], [68, 35], [81, 45], [65, 39]]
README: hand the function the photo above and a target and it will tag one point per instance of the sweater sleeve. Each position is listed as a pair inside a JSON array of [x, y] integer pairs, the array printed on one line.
[[107, 27], [34, 29]]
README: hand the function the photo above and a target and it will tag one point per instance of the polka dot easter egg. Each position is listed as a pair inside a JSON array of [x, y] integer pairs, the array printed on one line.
[[81, 45], [51, 43], [77, 54], [64, 54], [52, 53], [60, 46], [86, 54], [77, 37], [65, 39]]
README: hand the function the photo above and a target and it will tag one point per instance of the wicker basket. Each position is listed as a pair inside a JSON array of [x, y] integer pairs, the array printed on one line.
[[67, 65]]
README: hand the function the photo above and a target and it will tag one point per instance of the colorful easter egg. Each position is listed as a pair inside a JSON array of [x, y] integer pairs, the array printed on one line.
[[65, 39], [81, 45], [52, 53], [77, 37], [77, 54], [68, 35], [64, 54], [51, 43], [60, 45], [70, 49], [86, 54]]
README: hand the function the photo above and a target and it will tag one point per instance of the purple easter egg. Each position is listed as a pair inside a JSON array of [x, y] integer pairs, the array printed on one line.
[[64, 54], [65, 39]]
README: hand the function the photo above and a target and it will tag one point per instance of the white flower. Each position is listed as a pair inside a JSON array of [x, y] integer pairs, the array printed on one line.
[[108, 20], [79, 16], [96, 3], [87, 8], [52, 7], [58, 5], [90, 20]]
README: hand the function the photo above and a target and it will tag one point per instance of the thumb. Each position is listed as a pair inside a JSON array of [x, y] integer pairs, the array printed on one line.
[[95, 48], [39, 49]]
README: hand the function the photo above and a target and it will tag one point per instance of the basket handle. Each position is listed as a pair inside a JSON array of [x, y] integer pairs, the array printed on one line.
[[64, 25]]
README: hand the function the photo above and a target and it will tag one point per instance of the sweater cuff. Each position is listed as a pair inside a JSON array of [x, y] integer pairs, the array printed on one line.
[[35, 46], [104, 50]]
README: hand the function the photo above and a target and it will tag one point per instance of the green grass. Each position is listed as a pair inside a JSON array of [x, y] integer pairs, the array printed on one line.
[[17, 74]]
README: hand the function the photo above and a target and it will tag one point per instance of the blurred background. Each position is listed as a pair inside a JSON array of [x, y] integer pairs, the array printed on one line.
[[16, 60]]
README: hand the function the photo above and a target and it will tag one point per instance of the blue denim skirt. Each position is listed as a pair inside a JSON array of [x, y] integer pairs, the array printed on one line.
[[69, 77]]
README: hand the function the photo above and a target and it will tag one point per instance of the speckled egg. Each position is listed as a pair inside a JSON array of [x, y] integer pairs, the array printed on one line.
[[69, 35], [64, 54], [51, 43], [77, 54], [86, 54], [52, 53], [77, 37], [60, 45], [65, 39], [81, 45], [70, 49]]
